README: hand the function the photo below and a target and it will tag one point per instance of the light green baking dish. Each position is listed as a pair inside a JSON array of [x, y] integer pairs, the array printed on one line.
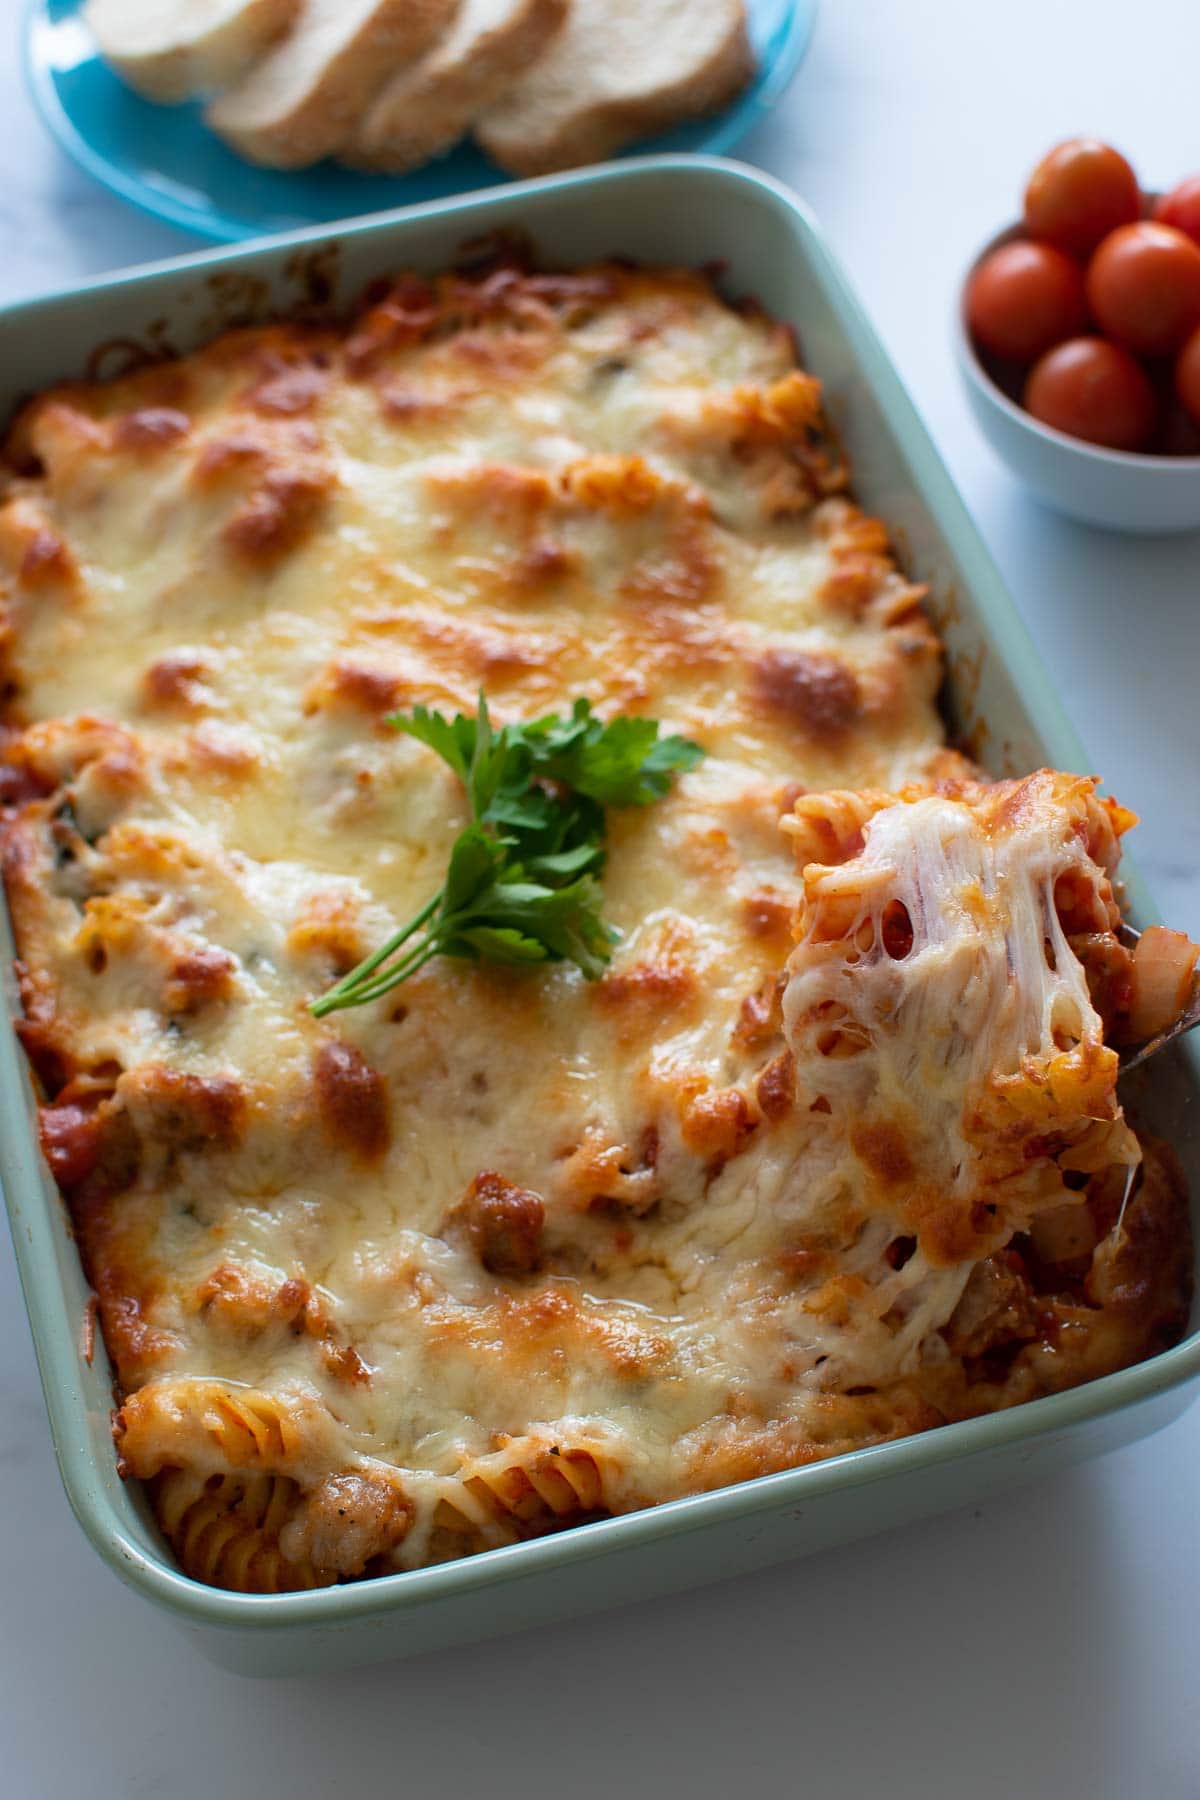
[[662, 209]]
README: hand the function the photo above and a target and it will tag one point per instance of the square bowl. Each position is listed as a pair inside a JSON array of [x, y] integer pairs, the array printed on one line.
[[691, 211]]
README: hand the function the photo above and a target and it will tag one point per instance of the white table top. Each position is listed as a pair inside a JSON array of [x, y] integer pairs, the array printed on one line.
[[1042, 1645]]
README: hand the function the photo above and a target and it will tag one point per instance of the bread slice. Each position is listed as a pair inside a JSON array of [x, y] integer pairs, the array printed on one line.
[[618, 70], [171, 49], [304, 99], [426, 108]]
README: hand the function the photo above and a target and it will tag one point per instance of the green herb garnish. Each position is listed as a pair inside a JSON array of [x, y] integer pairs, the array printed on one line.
[[521, 885]]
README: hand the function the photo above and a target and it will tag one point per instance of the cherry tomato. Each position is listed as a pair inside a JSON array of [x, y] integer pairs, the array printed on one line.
[[1143, 285], [1023, 298], [1181, 208], [1187, 376], [1078, 193], [1094, 390]]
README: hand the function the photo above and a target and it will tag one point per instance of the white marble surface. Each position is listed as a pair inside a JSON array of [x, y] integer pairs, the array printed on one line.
[[1042, 1645]]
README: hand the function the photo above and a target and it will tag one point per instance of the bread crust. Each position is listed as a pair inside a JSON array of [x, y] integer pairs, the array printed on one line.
[[286, 116], [570, 111], [195, 60], [426, 109]]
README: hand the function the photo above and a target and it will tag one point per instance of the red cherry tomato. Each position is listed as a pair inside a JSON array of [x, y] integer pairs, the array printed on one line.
[[1078, 193], [1181, 208], [1094, 390], [1023, 298], [1143, 285], [1187, 376]]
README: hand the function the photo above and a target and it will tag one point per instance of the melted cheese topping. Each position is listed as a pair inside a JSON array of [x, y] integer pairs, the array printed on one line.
[[944, 1035], [504, 1249]]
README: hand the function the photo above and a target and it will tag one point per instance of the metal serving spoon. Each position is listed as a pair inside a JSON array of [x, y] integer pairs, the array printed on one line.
[[1135, 1054]]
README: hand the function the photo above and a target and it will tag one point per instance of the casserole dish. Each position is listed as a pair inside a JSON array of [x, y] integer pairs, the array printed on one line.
[[662, 209]]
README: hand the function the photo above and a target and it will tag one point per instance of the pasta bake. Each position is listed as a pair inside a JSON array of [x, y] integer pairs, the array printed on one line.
[[832, 1150]]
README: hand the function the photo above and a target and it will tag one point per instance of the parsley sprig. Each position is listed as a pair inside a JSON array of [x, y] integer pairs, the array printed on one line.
[[522, 882]]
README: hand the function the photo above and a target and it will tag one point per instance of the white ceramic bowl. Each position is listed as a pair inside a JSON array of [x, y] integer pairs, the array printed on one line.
[[1115, 488]]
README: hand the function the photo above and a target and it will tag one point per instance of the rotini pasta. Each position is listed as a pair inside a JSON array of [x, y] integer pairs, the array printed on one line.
[[224, 1529], [525, 1489], [212, 1425]]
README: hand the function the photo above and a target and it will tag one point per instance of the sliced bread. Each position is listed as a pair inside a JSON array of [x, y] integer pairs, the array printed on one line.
[[618, 70], [426, 108], [171, 49], [304, 99]]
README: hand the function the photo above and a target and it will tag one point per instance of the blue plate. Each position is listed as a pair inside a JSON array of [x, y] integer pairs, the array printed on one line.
[[163, 159]]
